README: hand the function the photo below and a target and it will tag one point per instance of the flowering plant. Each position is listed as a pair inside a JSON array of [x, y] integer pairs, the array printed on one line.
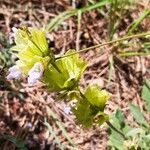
[[62, 74]]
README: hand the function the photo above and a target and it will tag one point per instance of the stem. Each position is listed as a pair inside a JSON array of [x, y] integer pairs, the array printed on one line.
[[106, 43], [115, 129], [55, 66], [128, 54]]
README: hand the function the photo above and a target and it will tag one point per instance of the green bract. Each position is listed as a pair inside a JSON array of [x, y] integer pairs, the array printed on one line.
[[60, 74], [26, 65], [31, 47], [71, 68], [31, 40], [84, 113], [96, 96], [90, 108]]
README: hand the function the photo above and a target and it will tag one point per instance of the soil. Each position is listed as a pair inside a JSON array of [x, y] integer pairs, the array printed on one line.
[[23, 109]]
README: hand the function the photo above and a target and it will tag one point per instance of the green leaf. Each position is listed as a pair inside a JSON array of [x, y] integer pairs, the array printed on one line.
[[146, 94], [116, 141], [137, 114], [134, 132], [31, 47], [84, 113], [71, 68], [96, 96], [120, 116]]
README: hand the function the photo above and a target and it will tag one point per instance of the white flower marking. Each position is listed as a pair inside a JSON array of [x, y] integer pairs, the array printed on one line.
[[13, 35], [15, 30], [14, 73], [35, 73]]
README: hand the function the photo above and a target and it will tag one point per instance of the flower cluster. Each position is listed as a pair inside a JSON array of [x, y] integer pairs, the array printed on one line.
[[33, 53], [37, 61]]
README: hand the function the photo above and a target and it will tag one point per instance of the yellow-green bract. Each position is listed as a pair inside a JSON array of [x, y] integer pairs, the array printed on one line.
[[71, 68], [31, 47], [96, 96], [90, 108]]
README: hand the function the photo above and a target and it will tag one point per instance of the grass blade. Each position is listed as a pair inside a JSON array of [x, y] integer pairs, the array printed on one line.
[[146, 94], [60, 125], [65, 15], [52, 132], [136, 23]]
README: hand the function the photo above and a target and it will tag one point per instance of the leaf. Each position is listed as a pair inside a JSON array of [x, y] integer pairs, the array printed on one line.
[[116, 141], [84, 113], [137, 114], [96, 96], [39, 37], [71, 68], [31, 47], [120, 116], [134, 132], [26, 65], [146, 94]]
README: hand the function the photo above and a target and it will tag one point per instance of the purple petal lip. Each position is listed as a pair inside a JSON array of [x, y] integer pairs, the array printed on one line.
[[14, 73], [35, 73]]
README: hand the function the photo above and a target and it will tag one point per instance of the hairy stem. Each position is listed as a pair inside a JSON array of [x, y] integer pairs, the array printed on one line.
[[106, 43]]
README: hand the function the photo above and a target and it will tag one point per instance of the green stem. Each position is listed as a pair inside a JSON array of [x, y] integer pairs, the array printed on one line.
[[130, 54], [106, 43], [115, 129], [56, 67]]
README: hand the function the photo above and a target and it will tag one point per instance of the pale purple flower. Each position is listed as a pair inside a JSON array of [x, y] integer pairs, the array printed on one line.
[[35, 73], [67, 110], [29, 125], [14, 73]]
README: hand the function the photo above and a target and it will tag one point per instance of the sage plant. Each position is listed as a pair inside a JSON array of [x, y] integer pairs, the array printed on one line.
[[61, 74]]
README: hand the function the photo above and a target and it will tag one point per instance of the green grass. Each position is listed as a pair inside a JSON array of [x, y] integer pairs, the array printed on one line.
[[55, 22]]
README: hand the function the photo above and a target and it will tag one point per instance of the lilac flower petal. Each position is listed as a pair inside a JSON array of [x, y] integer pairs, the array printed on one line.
[[14, 73], [67, 110], [35, 73], [29, 125]]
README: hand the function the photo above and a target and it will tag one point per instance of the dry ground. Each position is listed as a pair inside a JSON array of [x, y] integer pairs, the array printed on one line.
[[22, 106]]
